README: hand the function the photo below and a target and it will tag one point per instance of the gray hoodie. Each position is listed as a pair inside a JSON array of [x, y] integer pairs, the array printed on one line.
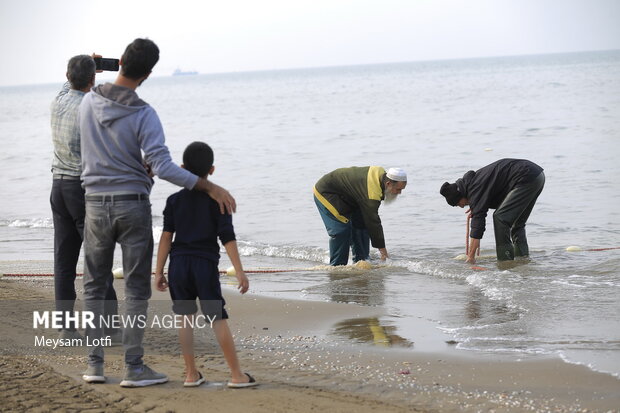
[[119, 131]]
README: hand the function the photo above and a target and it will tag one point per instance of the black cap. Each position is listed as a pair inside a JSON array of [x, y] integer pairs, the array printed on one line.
[[451, 193]]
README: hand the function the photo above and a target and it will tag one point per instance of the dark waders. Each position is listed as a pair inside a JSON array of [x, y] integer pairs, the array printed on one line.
[[343, 235], [510, 218]]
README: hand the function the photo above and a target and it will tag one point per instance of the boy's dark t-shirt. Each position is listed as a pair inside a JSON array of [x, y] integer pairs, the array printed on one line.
[[195, 219]]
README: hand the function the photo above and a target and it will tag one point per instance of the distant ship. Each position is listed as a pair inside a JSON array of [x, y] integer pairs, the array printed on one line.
[[179, 72]]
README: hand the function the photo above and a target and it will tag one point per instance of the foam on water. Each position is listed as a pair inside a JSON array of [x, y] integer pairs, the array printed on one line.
[[508, 301], [250, 248], [28, 223]]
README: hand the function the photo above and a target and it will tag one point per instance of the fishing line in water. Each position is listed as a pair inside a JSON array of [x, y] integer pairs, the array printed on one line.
[[360, 265], [572, 248]]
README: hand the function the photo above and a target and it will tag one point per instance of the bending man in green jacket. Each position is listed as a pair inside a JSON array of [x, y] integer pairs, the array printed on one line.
[[348, 200]]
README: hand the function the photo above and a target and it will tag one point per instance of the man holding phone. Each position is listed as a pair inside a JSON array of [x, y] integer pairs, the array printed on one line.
[[103, 63], [117, 127], [67, 195]]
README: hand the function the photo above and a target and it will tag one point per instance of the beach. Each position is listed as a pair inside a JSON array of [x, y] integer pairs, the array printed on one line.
[[283, 344], [420, 332]]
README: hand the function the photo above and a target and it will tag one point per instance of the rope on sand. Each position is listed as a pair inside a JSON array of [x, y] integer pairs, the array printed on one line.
[[269, 271], [355, 268], [221, 272]]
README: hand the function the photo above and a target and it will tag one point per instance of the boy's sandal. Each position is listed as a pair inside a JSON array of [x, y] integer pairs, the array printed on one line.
[[195, 383], [250, 383]]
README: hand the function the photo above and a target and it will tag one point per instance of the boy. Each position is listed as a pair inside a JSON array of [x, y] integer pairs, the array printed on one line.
[[196, 222]]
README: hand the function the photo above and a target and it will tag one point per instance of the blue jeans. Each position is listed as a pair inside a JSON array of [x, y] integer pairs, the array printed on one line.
[[110, 221], [68, 209], [344, 235]]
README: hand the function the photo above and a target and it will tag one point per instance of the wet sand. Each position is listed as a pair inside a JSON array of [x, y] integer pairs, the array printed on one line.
[[286, 345]]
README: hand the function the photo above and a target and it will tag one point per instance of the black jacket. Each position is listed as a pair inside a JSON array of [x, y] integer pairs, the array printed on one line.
[[488, 186]]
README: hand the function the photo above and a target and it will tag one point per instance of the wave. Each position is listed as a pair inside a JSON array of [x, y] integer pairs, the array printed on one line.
[[589, 365], [506, 350], [28, 223], [431, 268], [494, 284], [490, 287], [254, 248], [250, 248], [456, 330], [529, 350]]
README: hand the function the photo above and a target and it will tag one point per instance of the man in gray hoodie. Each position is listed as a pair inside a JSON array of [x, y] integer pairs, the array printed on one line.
[[117, 127]]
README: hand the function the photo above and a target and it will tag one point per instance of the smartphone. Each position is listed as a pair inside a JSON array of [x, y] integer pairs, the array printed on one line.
[[102, 63]]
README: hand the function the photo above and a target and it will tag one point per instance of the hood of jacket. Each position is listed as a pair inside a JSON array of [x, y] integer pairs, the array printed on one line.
[[463, 183], [112, 102]]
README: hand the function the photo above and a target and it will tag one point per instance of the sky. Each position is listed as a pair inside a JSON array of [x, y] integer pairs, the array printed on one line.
[[37, 37]]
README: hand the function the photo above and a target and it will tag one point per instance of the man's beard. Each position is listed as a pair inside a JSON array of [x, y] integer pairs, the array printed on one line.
[[389, 198]]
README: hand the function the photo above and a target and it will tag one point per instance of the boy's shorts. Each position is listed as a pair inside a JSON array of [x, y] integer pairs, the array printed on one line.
[[192, 277]]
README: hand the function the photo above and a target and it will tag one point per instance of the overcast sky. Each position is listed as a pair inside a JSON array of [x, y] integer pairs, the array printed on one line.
[[37, 37]]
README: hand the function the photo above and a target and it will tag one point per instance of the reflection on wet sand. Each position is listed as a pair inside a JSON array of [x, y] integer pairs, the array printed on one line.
[[364, 289], [360, 285], [370, 330]]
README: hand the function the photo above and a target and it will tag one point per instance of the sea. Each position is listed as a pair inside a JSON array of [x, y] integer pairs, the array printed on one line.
[[275, 133]]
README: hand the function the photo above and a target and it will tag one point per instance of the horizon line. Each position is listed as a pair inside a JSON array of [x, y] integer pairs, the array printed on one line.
[[295, 68]]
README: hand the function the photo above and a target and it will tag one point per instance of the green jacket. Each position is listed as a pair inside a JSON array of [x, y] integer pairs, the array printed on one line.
[[357, 188]]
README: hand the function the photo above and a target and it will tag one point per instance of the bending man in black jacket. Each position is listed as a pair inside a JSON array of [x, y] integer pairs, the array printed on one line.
[[511, 187]]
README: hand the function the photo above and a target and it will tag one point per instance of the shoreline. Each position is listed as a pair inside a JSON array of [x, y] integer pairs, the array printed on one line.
[[426, 342], [286, 345]]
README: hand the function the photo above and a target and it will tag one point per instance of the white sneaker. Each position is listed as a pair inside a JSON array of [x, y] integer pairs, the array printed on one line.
[[94, 374]]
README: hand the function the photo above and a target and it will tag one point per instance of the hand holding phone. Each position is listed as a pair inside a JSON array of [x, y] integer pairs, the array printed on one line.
[[103, 63]]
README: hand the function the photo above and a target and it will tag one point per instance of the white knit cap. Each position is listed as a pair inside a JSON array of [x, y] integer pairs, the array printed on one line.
[[397, 174]]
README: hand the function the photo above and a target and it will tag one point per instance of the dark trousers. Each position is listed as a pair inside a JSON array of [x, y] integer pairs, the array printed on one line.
[[510, 218], [68, 210], [343, 235]]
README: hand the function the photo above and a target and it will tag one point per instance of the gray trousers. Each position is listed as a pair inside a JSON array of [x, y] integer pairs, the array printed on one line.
[[128, 223], [510, 218]]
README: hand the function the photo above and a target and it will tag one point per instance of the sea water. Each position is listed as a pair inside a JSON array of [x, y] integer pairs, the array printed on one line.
[[275, 133]]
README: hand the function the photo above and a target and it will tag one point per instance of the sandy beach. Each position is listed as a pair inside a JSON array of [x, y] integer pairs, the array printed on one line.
[[285, 344]]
